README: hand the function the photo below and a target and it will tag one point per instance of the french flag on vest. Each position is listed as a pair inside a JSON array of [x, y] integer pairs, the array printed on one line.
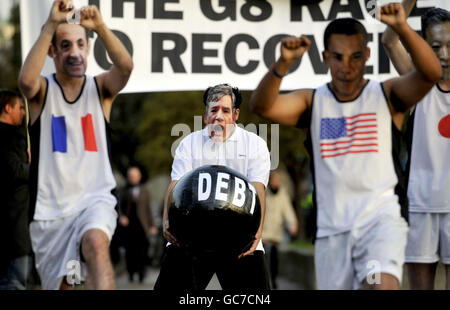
[[59, 133]]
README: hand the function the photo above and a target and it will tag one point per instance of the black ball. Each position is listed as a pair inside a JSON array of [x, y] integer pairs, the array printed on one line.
[[213, 210]]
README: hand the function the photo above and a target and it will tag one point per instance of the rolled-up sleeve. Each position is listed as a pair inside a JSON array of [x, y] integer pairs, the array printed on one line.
[[259, 162]]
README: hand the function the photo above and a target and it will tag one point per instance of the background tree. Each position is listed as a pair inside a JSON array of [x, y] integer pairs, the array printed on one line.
[[10, 50]]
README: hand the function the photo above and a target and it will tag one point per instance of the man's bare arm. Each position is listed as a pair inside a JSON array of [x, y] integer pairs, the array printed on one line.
[[166, 233], [266, 101], [111, 82], [31, 83], [405, 91], [394, 48]]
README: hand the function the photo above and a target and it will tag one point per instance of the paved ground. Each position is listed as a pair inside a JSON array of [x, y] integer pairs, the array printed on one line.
[[123, 283]]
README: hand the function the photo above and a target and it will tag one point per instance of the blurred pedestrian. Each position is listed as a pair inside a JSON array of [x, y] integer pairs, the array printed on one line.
[[137, 223], [279, 211]]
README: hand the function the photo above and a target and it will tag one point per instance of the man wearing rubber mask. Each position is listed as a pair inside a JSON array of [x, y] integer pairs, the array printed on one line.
[[223, 143]]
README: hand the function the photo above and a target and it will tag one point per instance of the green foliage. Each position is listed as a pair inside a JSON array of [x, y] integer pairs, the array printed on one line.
[[126, 114], [10, 51], [290, 139], [307, 202], [302, 245], [160, 112]]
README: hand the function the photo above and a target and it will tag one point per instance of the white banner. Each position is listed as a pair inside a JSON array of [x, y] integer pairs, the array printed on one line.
[[193, 44]]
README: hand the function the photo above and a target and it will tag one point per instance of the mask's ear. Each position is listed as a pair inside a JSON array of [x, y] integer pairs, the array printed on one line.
[[236, 115], [367, 53], [325, 55], [51, 51]]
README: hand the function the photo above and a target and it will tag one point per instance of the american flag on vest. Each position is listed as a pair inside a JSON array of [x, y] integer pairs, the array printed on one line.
[[348, 135]]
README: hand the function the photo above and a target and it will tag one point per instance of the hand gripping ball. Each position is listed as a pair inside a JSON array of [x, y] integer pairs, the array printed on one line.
[[213, 210]]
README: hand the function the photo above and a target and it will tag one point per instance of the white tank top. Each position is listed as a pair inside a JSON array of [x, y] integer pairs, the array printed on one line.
[[74, 170], [352, 152], [429, 176]]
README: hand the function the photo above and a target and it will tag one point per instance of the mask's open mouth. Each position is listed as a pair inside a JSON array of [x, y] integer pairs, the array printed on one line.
[[217, 131], [217, 128]]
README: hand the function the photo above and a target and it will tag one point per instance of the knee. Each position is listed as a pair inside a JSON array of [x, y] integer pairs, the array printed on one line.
[[386, 282], [95, 244]]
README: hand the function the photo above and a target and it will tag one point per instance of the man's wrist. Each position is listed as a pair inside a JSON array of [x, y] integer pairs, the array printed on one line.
[[276, 73], [280, 68], [101, 29], [401, 29], [50, 27]]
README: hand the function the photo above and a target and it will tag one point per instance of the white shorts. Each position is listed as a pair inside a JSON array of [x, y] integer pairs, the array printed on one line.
[[428, 238], [343, 261], [56, 243]]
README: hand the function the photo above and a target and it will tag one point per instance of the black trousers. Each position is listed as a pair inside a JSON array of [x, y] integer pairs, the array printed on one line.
[[272, 262], [136, 248], [181, 271]]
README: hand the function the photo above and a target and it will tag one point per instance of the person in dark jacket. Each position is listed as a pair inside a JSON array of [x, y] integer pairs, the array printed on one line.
[[136, 223], [14, 165]]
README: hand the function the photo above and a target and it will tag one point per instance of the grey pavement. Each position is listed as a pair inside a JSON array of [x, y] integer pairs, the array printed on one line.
[[123, 283]]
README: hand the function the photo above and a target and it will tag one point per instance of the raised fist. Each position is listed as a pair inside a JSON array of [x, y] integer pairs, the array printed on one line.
[[62, 10], [91, 17], [393, 15], [292, 48]]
